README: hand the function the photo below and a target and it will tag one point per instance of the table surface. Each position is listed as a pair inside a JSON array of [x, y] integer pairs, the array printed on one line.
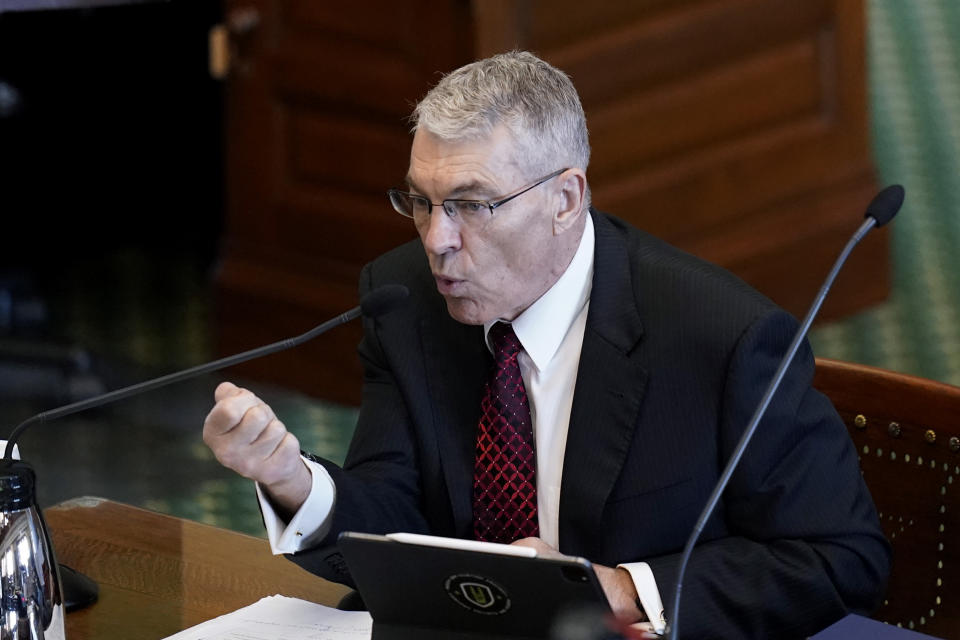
[[159, 574]]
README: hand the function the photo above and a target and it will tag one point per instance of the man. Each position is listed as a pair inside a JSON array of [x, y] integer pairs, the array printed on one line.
[[638, 368]]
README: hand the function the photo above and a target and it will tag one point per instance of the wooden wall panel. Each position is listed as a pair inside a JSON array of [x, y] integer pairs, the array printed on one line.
[[736, 129], [764, 91]]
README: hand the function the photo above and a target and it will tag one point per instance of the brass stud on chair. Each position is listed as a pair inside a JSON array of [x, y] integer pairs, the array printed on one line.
[[930, 436], [861, 421], [954, 444], [894, 430]]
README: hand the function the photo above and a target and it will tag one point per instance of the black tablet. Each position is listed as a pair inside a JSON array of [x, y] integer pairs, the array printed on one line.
[[420, 587]]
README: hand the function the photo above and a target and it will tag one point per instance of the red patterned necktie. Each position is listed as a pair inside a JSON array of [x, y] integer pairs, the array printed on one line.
[[504, 480]]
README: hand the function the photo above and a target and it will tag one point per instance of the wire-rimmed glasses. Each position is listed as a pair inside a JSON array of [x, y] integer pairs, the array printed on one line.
[[470, 212]]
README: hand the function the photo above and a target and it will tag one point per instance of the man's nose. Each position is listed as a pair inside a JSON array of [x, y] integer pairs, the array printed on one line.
[[442, 234]]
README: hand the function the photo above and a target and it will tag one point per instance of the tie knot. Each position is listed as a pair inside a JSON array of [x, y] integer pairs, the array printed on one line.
[[504, 341]]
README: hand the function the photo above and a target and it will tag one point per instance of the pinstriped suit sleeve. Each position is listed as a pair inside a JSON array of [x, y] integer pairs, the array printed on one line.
[[802, 544]]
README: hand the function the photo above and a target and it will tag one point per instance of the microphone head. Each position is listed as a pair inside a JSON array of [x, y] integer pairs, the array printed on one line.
[[885, 204], [383, 299]]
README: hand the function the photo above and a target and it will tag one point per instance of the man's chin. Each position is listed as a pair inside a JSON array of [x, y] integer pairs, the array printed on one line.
[[465, 311]]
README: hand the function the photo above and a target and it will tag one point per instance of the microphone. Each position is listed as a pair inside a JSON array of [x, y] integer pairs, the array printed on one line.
[[885, 205], [879, 212], [379, 301]]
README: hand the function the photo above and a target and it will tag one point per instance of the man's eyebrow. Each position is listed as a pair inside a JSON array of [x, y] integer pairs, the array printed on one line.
[[472, 187]]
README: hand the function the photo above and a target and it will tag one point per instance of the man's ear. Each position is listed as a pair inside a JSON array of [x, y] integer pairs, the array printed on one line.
[[572, 185]]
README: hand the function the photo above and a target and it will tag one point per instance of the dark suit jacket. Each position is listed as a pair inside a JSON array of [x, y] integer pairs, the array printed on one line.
[[676, 355]]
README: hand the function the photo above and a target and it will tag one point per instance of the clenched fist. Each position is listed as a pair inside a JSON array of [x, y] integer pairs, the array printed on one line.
[[246, 436]]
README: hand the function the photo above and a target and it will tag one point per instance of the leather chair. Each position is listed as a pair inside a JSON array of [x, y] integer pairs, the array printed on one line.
[[907, 433]]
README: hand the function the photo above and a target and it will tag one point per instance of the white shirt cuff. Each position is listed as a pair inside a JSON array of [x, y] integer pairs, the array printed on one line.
[[648, 592], [310, 523]]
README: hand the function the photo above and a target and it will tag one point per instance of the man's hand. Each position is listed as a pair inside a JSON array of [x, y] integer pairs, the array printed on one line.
[[617, 583], [246, 436]]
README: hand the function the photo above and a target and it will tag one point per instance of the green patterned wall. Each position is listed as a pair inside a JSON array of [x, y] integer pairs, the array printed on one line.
[[914, 85]]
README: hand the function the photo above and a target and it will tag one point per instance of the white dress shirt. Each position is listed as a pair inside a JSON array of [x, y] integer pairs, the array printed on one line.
[[551, 332]]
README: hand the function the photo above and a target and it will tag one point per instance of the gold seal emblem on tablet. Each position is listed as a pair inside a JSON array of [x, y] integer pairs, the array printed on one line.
[[479, 594]]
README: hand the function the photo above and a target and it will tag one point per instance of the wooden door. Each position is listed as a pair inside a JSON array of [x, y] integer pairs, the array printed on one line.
[[735, 129], [318, 99]]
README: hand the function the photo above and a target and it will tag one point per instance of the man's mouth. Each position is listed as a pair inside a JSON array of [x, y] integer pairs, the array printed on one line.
[[447, 286]]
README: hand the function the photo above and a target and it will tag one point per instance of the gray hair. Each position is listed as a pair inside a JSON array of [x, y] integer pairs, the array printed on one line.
[[535, 101]]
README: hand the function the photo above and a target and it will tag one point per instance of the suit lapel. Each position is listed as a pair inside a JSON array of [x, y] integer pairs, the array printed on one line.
[[609, 390], [457, 361]]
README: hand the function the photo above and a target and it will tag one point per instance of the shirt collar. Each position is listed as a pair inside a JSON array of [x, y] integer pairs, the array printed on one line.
[[543, 325]]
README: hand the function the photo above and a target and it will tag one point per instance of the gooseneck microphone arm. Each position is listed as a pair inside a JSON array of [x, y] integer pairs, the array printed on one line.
[[880, 211], [376, 302]]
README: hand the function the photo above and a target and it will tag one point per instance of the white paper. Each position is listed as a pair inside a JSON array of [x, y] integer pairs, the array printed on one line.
[[283, 618]]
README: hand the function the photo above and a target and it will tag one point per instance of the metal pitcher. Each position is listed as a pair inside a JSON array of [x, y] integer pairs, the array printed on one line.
[[31, 599]]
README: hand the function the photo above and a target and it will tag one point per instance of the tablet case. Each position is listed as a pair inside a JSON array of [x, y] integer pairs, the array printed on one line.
[[422, 592]]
